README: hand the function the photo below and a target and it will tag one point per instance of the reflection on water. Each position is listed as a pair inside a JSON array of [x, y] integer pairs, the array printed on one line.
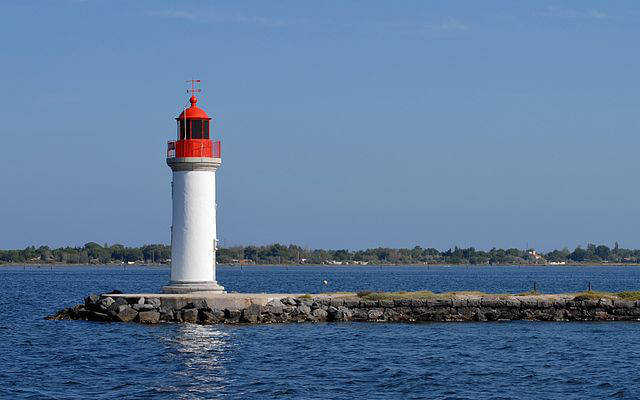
[[198, 355]]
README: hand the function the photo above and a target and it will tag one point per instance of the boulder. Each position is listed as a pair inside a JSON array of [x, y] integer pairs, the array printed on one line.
[[211, 316], [375, 314], [65, 313], [479, 315], [252, 313], [153, 302], [305, 301], [336, 303], [274, 307], [490, 302], [304, 310], [77, 312], [81, 313], [143, 307], [125, 313], [368, 304], [121, 301], [332, 311], [351, 303], [478, 303], [360, 314], [510, 303], [542, 303], [148, 317], [113, 309], [319, 314], [416, 303], [105, 303], [98, 316], [232, 315], [559, 303], [190, 315], [491, 315], [624, 304], [91, 301], [390, 314], [197, 303], [528, 302], [288, 301], [608, 303], [166, 313], [458, 303], [324, 302], [342, 314], [402, 302], [590, 303], [387, 303]]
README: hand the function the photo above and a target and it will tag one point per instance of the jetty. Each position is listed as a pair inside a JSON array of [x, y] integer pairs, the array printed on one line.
[[408, 307]]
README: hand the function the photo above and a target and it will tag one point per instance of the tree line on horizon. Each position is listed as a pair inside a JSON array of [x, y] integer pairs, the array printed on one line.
[[94, 253]]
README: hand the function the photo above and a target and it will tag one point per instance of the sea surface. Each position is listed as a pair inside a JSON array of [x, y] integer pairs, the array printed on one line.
[[42, 359]]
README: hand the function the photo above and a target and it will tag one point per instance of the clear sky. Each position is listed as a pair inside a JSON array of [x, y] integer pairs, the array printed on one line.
[[344, 124]]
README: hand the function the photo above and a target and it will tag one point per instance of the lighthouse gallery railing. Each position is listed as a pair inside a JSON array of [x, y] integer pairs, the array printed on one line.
[[194, 148]]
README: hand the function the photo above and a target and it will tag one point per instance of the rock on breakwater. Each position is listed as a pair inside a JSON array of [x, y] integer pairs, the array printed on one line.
[[266, 309]]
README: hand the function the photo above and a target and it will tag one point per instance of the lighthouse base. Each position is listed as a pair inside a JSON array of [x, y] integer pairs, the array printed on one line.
[[191, 287]]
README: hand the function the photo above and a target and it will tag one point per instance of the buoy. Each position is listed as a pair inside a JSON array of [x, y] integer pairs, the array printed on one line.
[[324, 282]]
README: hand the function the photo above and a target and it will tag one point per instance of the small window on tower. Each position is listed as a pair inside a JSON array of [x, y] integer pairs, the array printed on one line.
[[183, 131], [205, 129], [196, 129], [187, 133]]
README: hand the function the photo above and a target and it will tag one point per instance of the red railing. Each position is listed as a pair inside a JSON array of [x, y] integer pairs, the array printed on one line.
[[194, 148]]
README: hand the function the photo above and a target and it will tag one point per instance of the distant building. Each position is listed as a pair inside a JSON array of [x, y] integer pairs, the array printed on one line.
[[534, 255]]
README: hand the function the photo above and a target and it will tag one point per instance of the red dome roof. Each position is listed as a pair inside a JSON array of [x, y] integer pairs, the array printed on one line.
[[193, 112]]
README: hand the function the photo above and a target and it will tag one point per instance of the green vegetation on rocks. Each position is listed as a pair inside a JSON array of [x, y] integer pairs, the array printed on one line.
[[427, 294], [629, 295]]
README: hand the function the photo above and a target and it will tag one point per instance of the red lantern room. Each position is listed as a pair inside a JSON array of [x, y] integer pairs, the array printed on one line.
[[193, 133]]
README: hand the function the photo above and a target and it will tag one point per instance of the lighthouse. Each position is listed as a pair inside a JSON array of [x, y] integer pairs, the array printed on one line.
[[193, 158]]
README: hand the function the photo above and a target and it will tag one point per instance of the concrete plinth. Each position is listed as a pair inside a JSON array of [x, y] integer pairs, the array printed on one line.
[[193, 287], [214, 300]]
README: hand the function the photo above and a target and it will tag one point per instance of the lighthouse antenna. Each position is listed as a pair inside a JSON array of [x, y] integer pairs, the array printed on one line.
[[193, 90]]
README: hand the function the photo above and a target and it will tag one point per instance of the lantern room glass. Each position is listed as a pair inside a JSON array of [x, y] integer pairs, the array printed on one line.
[[193, 129]]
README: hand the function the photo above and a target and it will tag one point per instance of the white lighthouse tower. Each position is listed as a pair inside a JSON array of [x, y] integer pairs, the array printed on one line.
[[194, 159]]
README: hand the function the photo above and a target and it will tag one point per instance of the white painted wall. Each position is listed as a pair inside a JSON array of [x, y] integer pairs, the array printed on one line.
[[194, 226]]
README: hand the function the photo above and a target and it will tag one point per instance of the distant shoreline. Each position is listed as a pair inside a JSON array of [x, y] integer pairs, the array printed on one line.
[[92, 253], [155, 265]]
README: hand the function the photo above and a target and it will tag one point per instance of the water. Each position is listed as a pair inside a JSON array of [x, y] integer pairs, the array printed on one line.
[[42, 359]]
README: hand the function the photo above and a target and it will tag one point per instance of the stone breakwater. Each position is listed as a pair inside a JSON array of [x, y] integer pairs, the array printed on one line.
[[327, 308]]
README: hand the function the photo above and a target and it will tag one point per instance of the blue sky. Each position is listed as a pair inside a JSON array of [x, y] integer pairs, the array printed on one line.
[[345, 124]]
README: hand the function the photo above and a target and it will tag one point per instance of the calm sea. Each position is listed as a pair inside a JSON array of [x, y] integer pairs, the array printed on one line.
[[42, 359]]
